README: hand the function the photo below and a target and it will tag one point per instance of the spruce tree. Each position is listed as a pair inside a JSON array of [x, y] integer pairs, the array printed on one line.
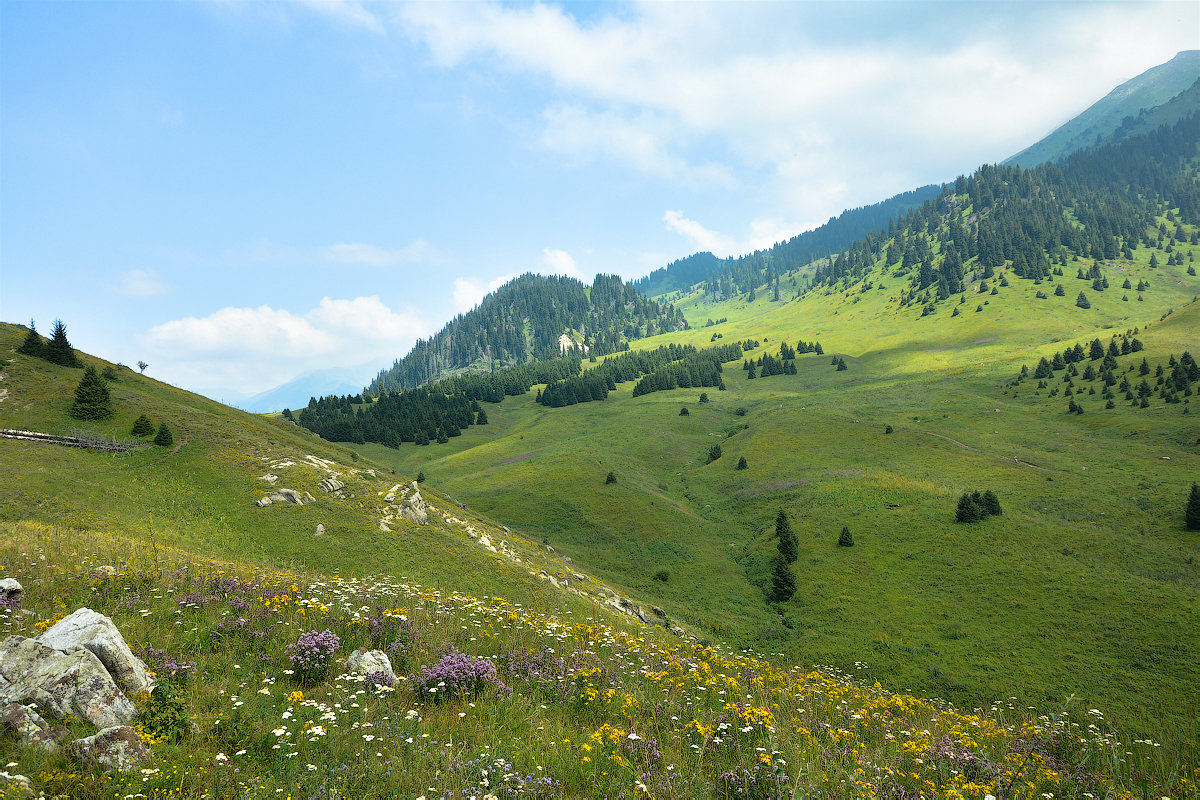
[[59, 350], [787, 544], [481, 418], [783, 582], [33, 344], [1082, 301], [991, 503], [92, 400], [968, 510], [1192, 511], [845, 539], [742, 463], [610, 478], [164, 438], [142, 426]]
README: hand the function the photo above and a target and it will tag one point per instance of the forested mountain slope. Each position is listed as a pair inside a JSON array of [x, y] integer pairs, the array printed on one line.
[[525, 319]]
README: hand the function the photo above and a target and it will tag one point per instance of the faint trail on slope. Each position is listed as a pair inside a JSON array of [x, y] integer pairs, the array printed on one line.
[[1029, 464]]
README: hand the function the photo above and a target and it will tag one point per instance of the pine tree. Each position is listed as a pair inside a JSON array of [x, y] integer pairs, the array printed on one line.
[[610, 478], [1082, 301], [742, 463], [421, 477], [142, 426], [33, 344], [481, 418], [1192, 511], [968, 510], [787, 544], [991, 503], [164, 438], [783, 582], [59, 350], [845, 539], [841, 364], [92, 400]]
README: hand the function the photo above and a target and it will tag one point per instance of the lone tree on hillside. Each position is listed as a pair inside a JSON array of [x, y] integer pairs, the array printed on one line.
[[610, 478], [59, 350], [787, 544], [783, 582], [1192, 511], [92, 400], [142, 367], [742, 463], [142, 426], [164, 438], [845, 539], [33, 344]]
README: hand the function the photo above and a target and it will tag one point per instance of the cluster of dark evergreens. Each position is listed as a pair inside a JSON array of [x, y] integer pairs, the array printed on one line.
[[57, 351], [1173, 383], [430, 413], [523, 320], [973, 506], [596, 383], [702, 368]]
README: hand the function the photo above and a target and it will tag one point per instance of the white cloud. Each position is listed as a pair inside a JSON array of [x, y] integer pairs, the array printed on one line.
[[834, 105], [763, 233], [469, 292], [370, 255], [252, 349], [349, 13], [559, 262], [139, 283]]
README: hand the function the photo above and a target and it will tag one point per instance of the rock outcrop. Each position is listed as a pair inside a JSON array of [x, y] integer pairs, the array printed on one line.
[[413, 508], [11, 591], [331, 485], [117, 747], [96, 632], [61, 683]]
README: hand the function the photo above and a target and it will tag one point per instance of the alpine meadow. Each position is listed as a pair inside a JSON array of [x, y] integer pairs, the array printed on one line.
[[904, 506]]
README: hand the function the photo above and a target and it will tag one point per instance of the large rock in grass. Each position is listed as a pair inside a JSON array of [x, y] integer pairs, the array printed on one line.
[[371, 662], [413, 508], [11, 591], [117, 747], [288, 496], [96, 632], [61, 684]]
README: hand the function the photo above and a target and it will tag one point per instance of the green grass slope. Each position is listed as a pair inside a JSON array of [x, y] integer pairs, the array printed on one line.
[[1086, 585]]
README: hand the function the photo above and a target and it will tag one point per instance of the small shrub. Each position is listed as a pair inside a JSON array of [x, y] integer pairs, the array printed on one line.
[[312, 655], [741, 412], [845, 539], [742, 463], [166, 718], [889, 429], [662, 575], [704, 397], [683, 412], [456, 674], [610, 478], [164, 438], [714, 452]]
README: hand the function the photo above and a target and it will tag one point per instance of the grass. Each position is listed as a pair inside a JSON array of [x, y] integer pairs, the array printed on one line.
[[575, 702]]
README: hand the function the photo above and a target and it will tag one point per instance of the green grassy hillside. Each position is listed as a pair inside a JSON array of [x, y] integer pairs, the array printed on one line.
[[570, 698], [1086, 585]]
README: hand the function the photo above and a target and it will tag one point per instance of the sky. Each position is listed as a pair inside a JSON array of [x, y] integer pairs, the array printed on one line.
[[238, 192]]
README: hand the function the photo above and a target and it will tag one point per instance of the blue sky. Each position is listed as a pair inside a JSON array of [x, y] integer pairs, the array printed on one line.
[[241, 191]]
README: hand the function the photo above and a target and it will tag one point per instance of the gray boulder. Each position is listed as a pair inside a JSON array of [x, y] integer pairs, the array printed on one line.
[[288, 496], [11, 591], [116, 747], [331, 485], [27, 727], [366, 662], [413, 508], [14, 785], [97, 633], [320, 529], [263, 502], [61, 684]]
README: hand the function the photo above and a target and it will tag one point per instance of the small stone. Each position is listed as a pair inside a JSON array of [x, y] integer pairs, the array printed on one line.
[[320, 529]]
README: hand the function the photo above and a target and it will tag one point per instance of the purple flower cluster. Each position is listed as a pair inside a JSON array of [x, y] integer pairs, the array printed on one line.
[[312, 654], [456, 674], [164, 665]]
